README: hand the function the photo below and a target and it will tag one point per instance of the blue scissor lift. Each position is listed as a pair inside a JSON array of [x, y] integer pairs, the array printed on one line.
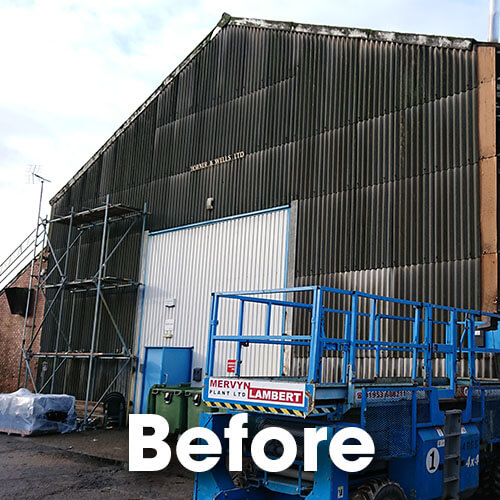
[[434, 420]]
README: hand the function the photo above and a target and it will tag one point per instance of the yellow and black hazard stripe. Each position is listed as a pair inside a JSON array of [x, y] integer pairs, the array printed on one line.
[[262, 409], [322, 411]]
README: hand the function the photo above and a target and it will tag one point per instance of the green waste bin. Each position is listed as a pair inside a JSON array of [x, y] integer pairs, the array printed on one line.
[[170, 403], [195, 406]]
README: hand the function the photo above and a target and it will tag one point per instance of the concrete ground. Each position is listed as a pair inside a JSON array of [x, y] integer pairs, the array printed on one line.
[[83, 465]]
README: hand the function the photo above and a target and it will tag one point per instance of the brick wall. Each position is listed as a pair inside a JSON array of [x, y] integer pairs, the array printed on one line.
[[11, 332]]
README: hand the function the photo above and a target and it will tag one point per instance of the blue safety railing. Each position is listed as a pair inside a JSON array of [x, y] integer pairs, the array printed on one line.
[[436, 331]]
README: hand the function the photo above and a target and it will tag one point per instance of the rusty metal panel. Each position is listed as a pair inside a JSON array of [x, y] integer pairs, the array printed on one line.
[[488, 176]]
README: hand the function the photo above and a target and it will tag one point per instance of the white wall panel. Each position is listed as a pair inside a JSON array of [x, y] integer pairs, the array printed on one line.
[[184, 266]]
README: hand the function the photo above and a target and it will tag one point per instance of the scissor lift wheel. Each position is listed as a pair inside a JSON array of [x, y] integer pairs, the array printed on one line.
[[379, 489], [489, 478]]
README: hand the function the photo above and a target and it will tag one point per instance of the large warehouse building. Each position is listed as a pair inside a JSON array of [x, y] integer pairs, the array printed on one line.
[[276, 154]]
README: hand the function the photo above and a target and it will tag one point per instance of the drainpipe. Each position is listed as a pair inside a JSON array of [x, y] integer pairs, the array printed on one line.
[[493, 31]]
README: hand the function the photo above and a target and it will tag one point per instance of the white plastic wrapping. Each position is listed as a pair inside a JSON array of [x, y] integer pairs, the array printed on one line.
[[23, 412]]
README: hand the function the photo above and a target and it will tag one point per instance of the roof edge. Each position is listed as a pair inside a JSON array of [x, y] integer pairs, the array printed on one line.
[[223, 21], [368, 34]]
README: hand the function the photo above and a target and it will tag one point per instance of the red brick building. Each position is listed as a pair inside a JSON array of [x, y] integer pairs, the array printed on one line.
[[11, 332]]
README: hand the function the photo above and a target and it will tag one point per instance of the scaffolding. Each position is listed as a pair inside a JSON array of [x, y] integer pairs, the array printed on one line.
[[65, 290]]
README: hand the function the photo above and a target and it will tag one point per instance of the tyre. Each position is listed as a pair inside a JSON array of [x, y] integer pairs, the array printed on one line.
[[489, 478], [379, 489]]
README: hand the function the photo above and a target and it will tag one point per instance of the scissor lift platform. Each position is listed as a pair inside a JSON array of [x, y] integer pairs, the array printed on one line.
[[437, 335], [336, 352]]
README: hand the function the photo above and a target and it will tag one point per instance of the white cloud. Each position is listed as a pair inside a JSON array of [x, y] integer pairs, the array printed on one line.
[[73, 71]]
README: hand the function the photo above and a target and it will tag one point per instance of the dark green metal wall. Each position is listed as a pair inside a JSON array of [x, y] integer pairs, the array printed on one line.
[[377, 141]]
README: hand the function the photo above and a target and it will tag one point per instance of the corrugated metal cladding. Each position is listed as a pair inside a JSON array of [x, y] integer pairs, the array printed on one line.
[[185, 266], [376, 140]]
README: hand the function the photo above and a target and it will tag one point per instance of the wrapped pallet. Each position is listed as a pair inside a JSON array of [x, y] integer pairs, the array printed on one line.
[[25, 413]]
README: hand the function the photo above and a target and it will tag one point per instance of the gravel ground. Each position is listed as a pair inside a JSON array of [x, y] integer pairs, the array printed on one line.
[[84, 465]]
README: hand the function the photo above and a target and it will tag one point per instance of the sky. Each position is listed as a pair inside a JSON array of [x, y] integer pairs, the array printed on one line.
[[71, 72]]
